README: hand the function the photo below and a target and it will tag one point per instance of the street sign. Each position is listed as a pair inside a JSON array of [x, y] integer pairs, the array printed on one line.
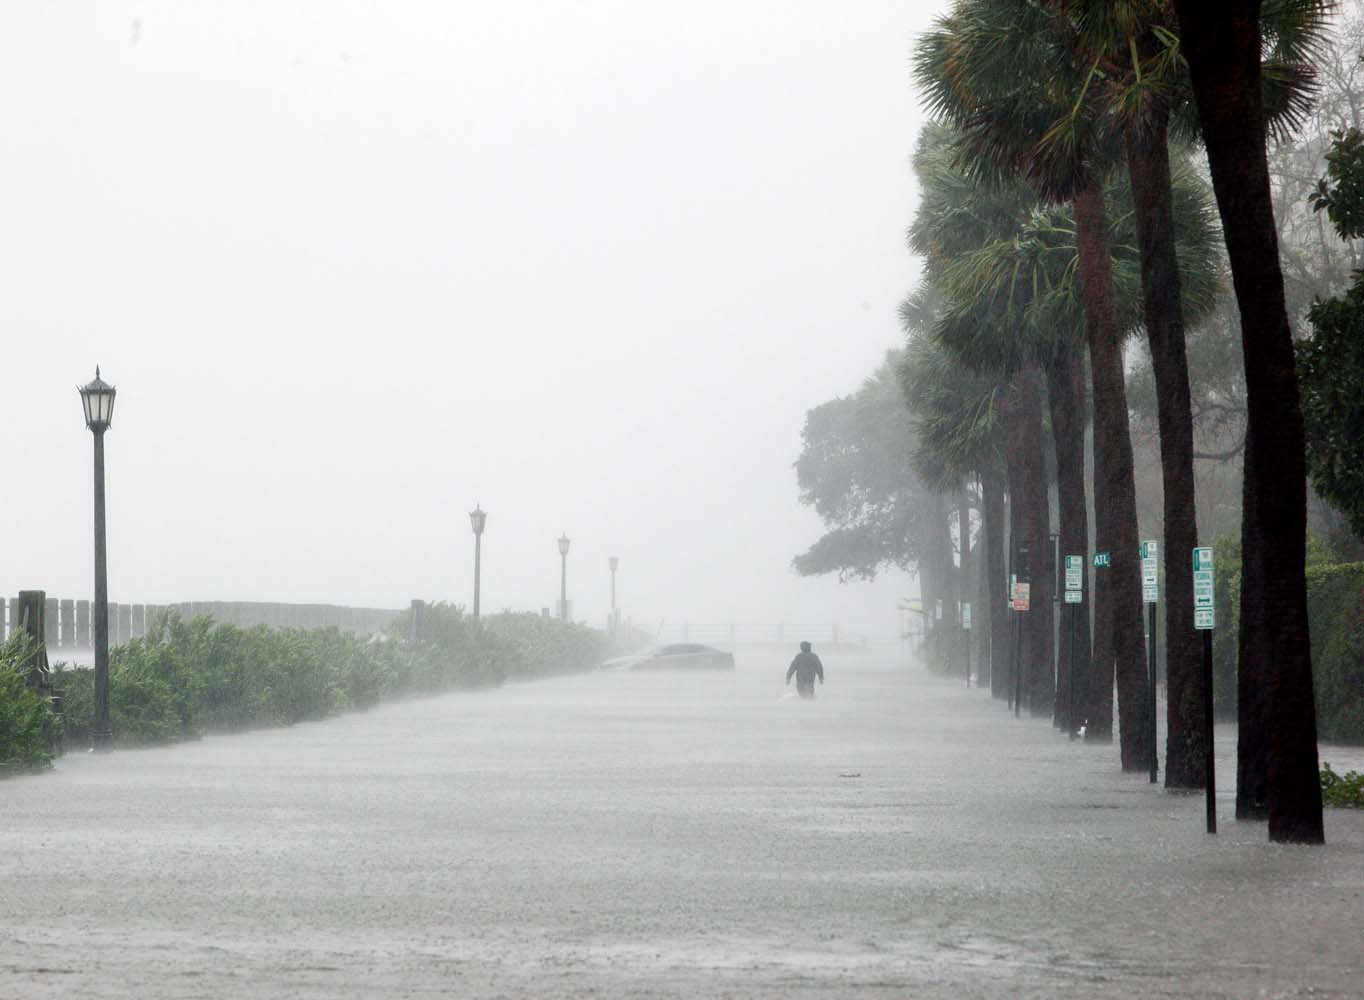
[[1205, 614], [1021, 596], [1150, 573], [1075, 572], [1101, 560], [1074, 596], [966, 615], [937, 610]]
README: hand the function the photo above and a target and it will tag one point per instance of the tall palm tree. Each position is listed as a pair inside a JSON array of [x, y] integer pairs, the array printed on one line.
[[1004, 72], [1146, 86], [1223, 44], [955, 218], [956, 412]]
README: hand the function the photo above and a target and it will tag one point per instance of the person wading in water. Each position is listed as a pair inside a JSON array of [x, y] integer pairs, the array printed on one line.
[[806, 667]]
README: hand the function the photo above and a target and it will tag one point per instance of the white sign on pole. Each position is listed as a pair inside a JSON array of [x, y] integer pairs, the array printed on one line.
[[966, 615], [1022, 596], [1205, 614], [1150, 573], [1075, 579], [937, 610], [1075, 572]]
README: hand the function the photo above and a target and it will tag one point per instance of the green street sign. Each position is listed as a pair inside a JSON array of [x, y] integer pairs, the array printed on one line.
[[1205, 614], [1150, 573], [1101, 560]]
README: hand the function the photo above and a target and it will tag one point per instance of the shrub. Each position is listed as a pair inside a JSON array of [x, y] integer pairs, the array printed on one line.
[[1342, 790], [27, 725], [1335, 610], [183, 678]]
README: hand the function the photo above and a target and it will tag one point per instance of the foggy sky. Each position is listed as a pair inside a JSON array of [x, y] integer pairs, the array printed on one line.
[[355, 267]]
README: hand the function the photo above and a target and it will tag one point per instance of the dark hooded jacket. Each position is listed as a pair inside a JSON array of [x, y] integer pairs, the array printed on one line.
[[806, 667]]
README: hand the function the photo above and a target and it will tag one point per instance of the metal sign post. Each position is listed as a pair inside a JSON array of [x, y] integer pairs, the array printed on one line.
[[1205, 620], [966, 627], [1075, 582], [1020, 601], [1150, 593]]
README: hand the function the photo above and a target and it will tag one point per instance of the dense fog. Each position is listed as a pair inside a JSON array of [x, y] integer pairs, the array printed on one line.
[[354, 269]]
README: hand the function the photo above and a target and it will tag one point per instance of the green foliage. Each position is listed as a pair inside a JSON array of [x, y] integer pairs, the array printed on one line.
[[1344, 791], [184, 678], [1335, 611], [854, 470], [1343, 197], [27, 725], [1331, 363]]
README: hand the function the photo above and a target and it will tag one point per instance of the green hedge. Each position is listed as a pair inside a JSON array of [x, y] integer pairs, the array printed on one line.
[[27, 725], [1335, 609], [185, 678]]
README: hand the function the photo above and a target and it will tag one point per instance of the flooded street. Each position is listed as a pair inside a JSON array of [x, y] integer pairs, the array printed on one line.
[[665, 836]]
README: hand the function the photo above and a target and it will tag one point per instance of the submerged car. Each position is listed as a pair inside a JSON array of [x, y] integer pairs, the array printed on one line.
[[678, 656]]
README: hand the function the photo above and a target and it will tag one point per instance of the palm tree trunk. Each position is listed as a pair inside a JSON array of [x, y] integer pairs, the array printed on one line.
[[1066, 396], [997, 572], [964, 574], [1011, 414], [1222, 44], [1116, 514], [1148, 161], [1039, 688], [940, 579], [985, 611]]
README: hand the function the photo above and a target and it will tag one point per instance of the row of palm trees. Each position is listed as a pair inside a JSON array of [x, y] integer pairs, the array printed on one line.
[[1061, 210]]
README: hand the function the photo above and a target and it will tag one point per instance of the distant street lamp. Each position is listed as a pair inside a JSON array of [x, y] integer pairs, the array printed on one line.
[[98, 400], [614, 563], [563, 577], [477, 517]]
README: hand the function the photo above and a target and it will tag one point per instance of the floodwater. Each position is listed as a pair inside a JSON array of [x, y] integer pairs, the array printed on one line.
[[619, 835]]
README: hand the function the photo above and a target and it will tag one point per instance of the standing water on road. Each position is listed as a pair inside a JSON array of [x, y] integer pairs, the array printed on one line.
[[662, 835]]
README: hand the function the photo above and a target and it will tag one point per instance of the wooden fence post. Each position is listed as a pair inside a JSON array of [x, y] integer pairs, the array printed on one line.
[[31, 614], [50, 622]]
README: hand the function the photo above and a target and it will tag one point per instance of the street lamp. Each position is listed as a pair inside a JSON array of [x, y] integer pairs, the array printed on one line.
[[98, 400], [614, 563], [477, 517], [563, 577]]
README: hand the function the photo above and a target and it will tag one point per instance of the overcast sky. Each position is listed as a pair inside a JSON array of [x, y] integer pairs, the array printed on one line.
[[356, 266]]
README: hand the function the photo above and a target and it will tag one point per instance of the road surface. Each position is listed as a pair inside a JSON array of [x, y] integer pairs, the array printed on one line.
[[618, 835]]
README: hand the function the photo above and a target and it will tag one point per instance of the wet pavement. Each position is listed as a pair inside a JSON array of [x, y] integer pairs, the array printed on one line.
[[654, 835]]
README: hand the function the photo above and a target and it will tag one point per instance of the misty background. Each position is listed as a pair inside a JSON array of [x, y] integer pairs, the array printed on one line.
[[355, 267]]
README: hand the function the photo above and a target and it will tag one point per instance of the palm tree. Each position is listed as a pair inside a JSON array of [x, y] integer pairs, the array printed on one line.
[[1223, 45], [1004, 72], [956, 412], [955, 218], [1146, 86]]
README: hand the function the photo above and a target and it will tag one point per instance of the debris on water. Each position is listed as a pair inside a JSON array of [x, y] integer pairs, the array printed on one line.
[[850, 774]]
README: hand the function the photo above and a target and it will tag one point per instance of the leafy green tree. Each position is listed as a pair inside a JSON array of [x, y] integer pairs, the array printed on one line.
[[855, 469], [1331, 363]]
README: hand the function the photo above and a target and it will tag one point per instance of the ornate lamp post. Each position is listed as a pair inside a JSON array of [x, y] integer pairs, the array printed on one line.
[[98, 400], [614, 563], [563, 577], [477, 517]]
